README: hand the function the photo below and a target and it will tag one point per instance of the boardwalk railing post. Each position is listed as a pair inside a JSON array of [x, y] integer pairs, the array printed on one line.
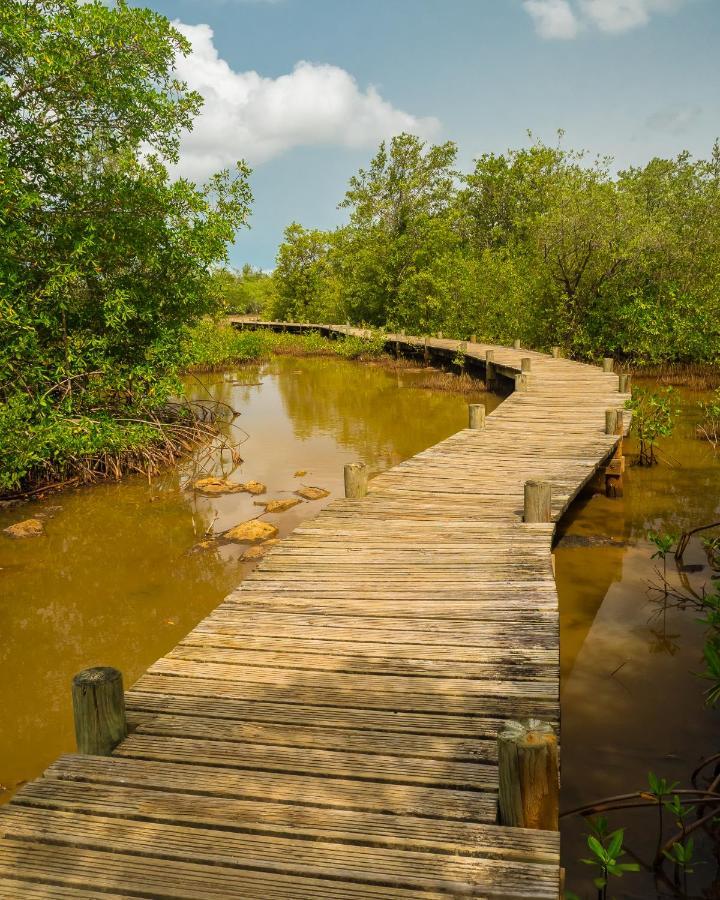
[[611, 421], [525, 364], [473, 339], [555, 351], [489, 369], [538, 501], [607, 364], [440, 334], [99, 710], [522, 381], [476, 416], [624, 383], [529, 786], [356, 480], [516, 344]]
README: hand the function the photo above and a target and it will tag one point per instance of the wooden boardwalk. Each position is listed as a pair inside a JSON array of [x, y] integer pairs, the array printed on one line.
[[329, 731]]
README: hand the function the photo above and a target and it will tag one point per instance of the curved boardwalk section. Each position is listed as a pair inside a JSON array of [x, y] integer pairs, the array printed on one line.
[[330, 730]]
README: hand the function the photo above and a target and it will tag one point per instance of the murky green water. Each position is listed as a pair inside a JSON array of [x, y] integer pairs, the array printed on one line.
[[114, 580], [630, 699]]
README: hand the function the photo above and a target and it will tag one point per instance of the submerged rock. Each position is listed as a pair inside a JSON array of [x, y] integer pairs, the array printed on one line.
[[252, 554], [251, 532], [254, 487], [300, 473], [217, 486], [312, 493], [26, 528], [214, 485], [276, 506]]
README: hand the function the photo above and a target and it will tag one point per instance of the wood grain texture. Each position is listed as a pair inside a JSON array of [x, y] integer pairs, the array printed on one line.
[[330, 730]]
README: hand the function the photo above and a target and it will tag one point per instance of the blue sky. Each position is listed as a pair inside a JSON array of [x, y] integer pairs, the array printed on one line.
[[629, 78]]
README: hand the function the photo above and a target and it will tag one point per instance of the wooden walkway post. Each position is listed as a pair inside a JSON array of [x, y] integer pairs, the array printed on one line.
[[607, 364], [476, 416], [529, 785], [525, 364], [516, 344], [522, 381], [538, 501], [555, 351], [356, 480], [489, 369], [99, 710], [473, 339], [624, 383]]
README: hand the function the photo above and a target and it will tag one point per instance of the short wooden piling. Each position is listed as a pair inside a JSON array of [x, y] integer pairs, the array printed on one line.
[[525, 364], [615, 424], [538, 501], [608, 364], [522, 381], [555, 351], [624, 383], [98, 701], [440, 334], [516, 344], [529, 784], [611, 421], [490, 377], [473, 339], [476, 416], [356, 480]]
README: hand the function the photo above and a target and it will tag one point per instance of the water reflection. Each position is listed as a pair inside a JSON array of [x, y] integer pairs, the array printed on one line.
[[630, 700]]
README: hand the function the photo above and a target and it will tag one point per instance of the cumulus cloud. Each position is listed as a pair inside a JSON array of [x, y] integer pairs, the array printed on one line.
[[249, 116], [566, 18], [553, 18]]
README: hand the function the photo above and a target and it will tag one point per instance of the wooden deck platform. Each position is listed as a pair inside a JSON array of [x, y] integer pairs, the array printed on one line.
[[329, 731]]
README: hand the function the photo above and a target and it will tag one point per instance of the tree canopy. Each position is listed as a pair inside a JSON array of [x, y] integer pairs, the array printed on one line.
[[541, 243], [104, 257]]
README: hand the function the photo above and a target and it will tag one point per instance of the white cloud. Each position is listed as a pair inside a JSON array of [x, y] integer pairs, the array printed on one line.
[[553, 18], [621, 15], [566, 18], [248, 116]]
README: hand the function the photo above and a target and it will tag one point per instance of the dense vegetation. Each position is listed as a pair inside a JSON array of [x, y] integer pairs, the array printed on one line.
[[104, 259], [540, 243], [245, 292]]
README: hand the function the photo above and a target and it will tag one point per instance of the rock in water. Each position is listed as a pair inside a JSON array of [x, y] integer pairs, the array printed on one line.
[[300, 473], [217, 486], [214, 485], [276, 506], [254, 487], [252, 554], [26, 528], [251, 532], [312, 493]]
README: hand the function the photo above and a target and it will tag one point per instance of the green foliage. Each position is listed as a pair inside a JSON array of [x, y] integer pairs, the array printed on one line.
[[541, 243], [663, 543], [607, 848], [709, 427], [681, 855], [246, 292], [213, 345], [654, 415], [103, 258]]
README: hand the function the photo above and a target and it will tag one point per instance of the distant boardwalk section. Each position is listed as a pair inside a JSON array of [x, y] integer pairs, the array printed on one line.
[[331, 729]]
